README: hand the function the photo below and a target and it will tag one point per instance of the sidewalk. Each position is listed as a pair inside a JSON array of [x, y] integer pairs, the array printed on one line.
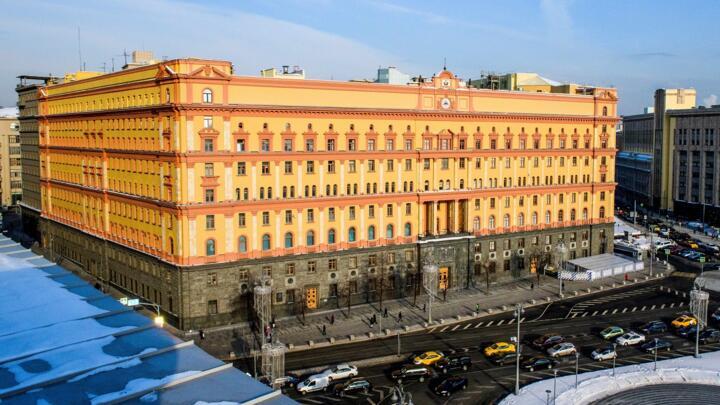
[[236, 341]]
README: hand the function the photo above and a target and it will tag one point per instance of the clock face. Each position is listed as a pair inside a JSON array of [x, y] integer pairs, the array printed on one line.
[[446, 83], [445, 103]]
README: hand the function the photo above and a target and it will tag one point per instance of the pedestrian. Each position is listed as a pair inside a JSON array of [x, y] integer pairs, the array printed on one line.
[[399, 316], [385, 315], [477, 308], [202, 334], [532, 286], [424, 309], [324, 331], [332, 319]]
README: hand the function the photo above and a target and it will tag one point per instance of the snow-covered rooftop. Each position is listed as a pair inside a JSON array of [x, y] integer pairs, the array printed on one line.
[[63, 341]]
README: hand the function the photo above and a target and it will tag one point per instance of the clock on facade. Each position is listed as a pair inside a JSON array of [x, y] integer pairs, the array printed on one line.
[[445, 103], [445, 83]]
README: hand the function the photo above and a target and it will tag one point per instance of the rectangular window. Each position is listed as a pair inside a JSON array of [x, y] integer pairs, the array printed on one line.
[[209, 170], [409, 254], [352, 144], [332, 264], [241, 170], [265, 218], [371, 165], [391, 258], [331, 166], [289, 269], [287, 145], [311, 266], [209, 221], [330, 145], [265, 145], [370, 144], [278, 297], [371, 211], [389, 144], [265, 167], [212, 279], [212, 307], [372, 260], [309, 145], [288, 217], [267, 271], [331, 214], [310, 215], [207, 122], [445, 163], [209, 195], [352, 262], [390, 165], [208, 145], [288, 167], [243, 275], [426, 164], [408, 144], [241, 220], [389, 210], [408, 209], [351, 213], [351, 166], [408, 165], [310, 167]]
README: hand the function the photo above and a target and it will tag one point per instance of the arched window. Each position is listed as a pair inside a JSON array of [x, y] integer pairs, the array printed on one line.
[[207, 96], [389, 232], [534, 218], [447, 184], [269, 193], [371, 232], [602, 212], [506, 221], [210, 247], [331, 236], [491, 222], [266, 242], [441, 184], [560, 216], [288, 240], [548, 217], [521, 219], [262, 193], [408, 229], [351, 234], [585, 214], [604, 111], [572, 214], [476, 223], [310, 238], [242, 244], [237, 194]]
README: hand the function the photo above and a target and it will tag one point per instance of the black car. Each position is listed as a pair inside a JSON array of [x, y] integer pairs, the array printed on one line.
[[661, 344], [709, 336], [448, 385], [653, 327], [505, 358], [454, 363], [359, 385], [686, 331], [412, 372], [547, 341], [288, 381], [536, 363]]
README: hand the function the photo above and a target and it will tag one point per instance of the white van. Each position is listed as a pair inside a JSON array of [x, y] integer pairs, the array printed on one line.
[[317, 382]]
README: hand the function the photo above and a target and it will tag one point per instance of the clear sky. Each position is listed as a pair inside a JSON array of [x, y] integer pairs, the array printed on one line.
[[634, 45]]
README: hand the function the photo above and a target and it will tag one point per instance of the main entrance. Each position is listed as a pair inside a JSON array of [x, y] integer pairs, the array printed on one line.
[[443, 280], [311, 297]]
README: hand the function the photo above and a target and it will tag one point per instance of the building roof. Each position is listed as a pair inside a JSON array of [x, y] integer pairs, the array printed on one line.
[[714, 110], [600, 262], [537, 80], [63, 341]]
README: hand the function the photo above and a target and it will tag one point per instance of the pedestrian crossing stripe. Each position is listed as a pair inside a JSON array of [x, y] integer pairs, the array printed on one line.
[[478, 325], [443, 329], [489, 323], [456, 326], [501, 322], [467, 326]]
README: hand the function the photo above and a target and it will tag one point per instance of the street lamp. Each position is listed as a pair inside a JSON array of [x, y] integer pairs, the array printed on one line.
[[577, 359], [656, 350], [698, 307], [652, 253], [555, 386], [547, 397], [518, 313], [614, 357], [560, 252], [398, 339]]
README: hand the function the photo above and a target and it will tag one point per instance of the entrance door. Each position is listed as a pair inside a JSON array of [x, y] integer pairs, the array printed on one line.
[[443, 282], [311, 297]]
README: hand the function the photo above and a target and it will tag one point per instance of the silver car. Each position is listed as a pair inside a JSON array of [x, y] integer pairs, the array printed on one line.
[[562, 349]]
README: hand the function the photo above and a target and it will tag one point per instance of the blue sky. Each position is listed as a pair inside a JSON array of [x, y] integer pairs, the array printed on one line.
[[636, 46]]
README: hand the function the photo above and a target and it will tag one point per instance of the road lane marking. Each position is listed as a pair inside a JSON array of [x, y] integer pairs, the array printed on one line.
[[643, 308], [432, 330], [489, 323], [653, 307], [501, 322], [522, 319], [624, 310], [634, 309], [594, 313], [662, 306], [672, 304], [614, 310], [575, 314], [467, 326], [443, 329], [456, 326], [478, 325], [511, 321], [584, 314], [605, 312]]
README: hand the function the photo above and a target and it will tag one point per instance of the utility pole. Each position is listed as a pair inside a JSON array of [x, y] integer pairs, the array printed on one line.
[[652, 254], [518, 314]]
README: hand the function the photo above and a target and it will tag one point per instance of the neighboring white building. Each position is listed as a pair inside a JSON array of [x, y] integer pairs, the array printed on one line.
[[285, 73], [392, 75]]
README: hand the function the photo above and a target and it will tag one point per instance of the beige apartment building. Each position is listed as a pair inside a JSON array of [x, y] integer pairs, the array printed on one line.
[[10, 168]]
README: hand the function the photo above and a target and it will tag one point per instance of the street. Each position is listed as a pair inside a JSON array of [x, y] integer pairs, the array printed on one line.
[[578, 320]]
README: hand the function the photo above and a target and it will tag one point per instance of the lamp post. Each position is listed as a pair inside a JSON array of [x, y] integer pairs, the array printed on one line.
[[577, 360], [560, 252], [555, 386], [547, 397], [652, 254], [398, 341], [614, 357], [518, 313], [698, 307], [656, 350]]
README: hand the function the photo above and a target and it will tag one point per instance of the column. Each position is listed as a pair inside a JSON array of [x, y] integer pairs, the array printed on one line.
[[455, 227]]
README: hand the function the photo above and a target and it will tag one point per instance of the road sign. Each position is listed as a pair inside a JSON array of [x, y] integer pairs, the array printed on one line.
[[667, 252], [133, 302], [124, 300], [702, 259]]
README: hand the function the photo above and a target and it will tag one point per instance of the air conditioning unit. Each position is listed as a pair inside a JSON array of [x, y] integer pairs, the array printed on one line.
[[521, 252], [506, 253], [584, 244], [547, 248], [493, 255], [478, 257], [573, 245]]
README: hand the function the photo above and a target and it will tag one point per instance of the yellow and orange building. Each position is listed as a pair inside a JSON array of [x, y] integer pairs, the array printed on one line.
[[186, 185]]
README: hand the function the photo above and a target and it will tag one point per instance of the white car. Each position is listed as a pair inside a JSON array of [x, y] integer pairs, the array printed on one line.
[[604, 353], [341, 371], [562, 349], [630, 338], [317, 382]]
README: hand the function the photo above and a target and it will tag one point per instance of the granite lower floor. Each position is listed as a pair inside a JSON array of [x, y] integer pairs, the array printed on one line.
[[224, 293]]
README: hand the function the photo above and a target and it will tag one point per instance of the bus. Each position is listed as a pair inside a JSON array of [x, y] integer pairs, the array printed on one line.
[[628, 249]]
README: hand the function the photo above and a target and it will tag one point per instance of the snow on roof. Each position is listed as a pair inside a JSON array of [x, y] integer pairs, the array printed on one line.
[[63, 341], [600, 262]]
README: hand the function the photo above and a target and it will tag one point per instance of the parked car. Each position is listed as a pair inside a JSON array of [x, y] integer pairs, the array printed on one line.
[[428, 358], [611, 332], [503, 359], [359, 385], [499, 348], [340, 372], [288, 381], [630, 338], [603, 353], [535, 363], [449, 385], [544, 342], [686, 331], [684, 320], [317, 382], [660, 344], [412, 372], [562, 349], [454, 363], [653, 327], [709, 336]]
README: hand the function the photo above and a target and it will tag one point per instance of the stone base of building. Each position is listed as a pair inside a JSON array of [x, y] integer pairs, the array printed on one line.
[[222, 293], [30, 222], [694, 211]]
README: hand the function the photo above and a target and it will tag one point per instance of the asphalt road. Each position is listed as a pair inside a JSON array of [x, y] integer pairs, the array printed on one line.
[[578, 319]]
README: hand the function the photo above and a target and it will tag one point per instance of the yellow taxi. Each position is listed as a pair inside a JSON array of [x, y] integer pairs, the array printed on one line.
[[683, 321], [499, 348], [428, 358]]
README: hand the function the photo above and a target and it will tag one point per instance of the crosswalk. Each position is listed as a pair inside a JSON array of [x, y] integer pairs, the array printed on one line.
[[580, 308]]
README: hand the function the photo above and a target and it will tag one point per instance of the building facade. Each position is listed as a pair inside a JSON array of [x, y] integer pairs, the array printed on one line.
[[644, 164], [28, 90], [10, 169], [186, 185]]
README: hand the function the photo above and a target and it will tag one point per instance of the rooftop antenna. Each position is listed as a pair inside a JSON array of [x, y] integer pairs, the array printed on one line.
[[80, 59], [444, 63], [112, 60]]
